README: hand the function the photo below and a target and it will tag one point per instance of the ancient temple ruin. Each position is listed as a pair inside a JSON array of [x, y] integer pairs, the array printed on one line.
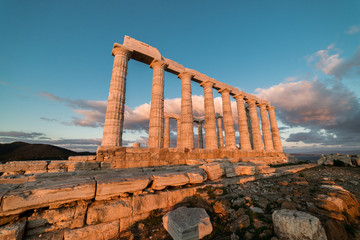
[[253, 143]]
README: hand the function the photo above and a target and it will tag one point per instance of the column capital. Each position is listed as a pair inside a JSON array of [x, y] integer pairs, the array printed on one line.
[[120, 49], [239, 97], [262, 104], [158, 64], [207, 83], [270, 107], [224, 90], [185, 75], [251, 100]]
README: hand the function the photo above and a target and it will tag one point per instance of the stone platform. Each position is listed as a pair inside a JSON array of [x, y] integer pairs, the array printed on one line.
[[102, 203]]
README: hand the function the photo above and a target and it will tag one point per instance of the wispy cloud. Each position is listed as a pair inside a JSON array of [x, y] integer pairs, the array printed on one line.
[[3, 83], [353, 29]]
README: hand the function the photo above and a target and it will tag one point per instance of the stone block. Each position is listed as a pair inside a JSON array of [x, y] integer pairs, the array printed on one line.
[[107, 211], [57, 166], [213, 170], [162, 180], [196, 176], [37, 195], [187, 223], [102, 231], [127, 222], [149, 202], [82, 158], [82, 166], [55, 219], [177, 196], [192, 162], [21, 167], [114, 185], [13, 231], [58, 235], [296, 225], [264, 169]]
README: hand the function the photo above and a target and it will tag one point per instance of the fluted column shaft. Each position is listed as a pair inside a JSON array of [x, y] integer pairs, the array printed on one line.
[[228, 119], [178, 133], [243, 126], [210, 121], [249, 127], [255, 125], [187, 130], [275, 130], [156, 139], [220, 133], [269, 146], [114, 118], [167, 133], [200, 135]]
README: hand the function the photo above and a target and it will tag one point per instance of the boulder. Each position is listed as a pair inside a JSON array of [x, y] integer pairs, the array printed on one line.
[[296, 225], [187, 223]]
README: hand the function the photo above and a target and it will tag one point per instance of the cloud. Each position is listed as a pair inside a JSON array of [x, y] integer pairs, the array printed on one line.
[[329, 109], [353, 29], [348, 67], [326, 60], [21, 135]]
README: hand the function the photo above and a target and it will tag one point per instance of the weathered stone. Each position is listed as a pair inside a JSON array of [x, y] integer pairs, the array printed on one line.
[[187, 223], [58, 235], [161, 181], [21, 167], [296, 225], [221, 206], [176, 196], [113, 185], [263, 169], [192, 162], [45, 194], [127, 222], [107, 211], [148, 202], [13, 231], [330, 203], [241, 222], [196, 176], [214, 170], [82, 158], [102, 231]]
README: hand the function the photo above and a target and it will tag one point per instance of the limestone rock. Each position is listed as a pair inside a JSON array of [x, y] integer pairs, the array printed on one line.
[[161, 181], [187, 223], [296, 225], [13, 231], [196, 176], [94, 232], [213, 170]]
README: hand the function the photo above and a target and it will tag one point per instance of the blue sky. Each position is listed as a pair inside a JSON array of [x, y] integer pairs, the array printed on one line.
[[55, 64]]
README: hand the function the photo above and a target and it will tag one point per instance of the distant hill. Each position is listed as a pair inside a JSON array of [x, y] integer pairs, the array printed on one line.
[[21, 151]]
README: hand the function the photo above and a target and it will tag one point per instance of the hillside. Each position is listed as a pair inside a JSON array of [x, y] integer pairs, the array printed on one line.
[[20, 151]]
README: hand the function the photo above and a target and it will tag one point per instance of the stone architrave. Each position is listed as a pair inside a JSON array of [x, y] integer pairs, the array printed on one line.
[[200, 135], [255, 125], [275, 129], [114, 117], [210, 120], [220, 133], [187, 129], [178, 133], [243, 126], [269, 146], [157, 105], [228, 119], [167, 133]]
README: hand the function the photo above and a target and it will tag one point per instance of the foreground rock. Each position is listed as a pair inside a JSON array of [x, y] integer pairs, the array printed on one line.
[[187, 223], [296, 225]]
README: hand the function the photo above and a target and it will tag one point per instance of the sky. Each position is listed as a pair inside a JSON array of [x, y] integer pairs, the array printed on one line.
[[302, 56]]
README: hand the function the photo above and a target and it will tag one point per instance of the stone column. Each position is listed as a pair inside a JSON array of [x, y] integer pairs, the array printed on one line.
[[220, 133], [243, 126], [255, 125], [114, 118], [269, 146], [228, 119], [249, 127], [167, 133], [275, 129], [157, 105], [187, 130], [200, 135], [210, 121], [178, 133]]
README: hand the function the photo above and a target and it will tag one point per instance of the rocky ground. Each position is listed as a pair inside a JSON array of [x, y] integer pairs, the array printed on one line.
[[332, 194]]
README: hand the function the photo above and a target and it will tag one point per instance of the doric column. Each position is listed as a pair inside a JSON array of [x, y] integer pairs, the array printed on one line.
[[157, 105], [255, 125], [210, 121], [275, 129], [220, 133], [249, 127], [167, 133], [228, 119], [114, 118], [200, 135], [187, 130], [178, 133], [243, 126], [269, 146]]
